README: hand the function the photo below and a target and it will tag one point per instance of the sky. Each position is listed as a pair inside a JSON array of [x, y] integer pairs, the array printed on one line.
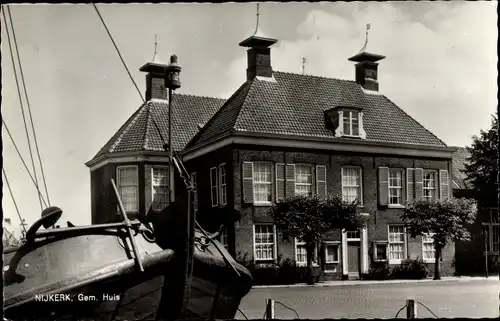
[[440, 68]]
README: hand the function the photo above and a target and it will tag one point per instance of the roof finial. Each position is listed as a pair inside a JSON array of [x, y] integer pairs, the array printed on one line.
[[156, 45], [304, 60], [257, 26], [368, 27]]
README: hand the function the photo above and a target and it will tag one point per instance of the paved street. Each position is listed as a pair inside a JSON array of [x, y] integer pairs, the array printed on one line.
[[472, 299]]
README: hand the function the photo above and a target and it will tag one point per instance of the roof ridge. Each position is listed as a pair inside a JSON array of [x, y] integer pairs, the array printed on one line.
[[148, 117], [243, 104], [198, 96], [411, 117], [313, 76], [129, 124]]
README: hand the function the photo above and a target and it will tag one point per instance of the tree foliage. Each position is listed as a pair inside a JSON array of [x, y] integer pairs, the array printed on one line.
[[481, 168]]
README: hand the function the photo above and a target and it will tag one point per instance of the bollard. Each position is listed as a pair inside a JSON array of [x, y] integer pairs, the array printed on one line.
[[411, 309], [269, 309]]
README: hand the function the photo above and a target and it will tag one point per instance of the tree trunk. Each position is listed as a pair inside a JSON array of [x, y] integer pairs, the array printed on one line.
[[437, 268], [310, 254]]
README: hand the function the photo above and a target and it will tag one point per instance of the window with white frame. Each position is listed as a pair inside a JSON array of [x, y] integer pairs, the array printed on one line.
[[429, 184], [396, 242], [303, 180], [353, 235], [331, 253], [351, 184], [264, 239], [396, 187], [159, 187], [301, 253], [222, 184], [214, 190], [351, 122], [428, 248], [195, 192], [262, 182], [128, 186]]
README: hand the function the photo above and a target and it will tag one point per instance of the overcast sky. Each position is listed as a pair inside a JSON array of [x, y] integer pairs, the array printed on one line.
[[440, 69]]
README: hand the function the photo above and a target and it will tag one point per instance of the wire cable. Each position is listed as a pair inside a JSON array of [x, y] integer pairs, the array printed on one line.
[[13, 199], [22, 160], [400, 310], [28, 103], [243, 314], [21, 103], [428, 309], [287, 307], [118, 51]]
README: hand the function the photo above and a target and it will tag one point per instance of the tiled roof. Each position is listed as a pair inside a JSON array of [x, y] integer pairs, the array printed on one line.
[[459, 161], [294, 104], [139, 132]]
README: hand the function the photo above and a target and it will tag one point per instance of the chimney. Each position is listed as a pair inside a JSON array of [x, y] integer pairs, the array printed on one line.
[[259, 53], [367, 69], [155, 79]]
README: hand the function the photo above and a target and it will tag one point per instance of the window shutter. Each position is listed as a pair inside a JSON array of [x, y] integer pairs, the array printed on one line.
[[419, 182], [280, 181], [410, 186], [321, 181], [247, 182], [444, 190], [383, 186], [290, 180]]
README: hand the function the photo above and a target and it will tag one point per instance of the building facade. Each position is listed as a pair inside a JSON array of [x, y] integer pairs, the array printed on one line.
[[282, 134]]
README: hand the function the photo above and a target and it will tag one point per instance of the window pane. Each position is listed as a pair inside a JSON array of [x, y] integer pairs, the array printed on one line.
[[264, 242], [347, 124], [332, 253]]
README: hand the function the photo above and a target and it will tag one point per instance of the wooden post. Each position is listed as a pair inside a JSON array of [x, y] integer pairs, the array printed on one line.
[[411, 309], [269, 309]]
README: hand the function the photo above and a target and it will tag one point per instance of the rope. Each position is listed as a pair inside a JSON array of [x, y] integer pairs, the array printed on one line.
[[28, 104], [243, 314], [400, 311], [118, 51], [22, 160], [13, 199], [283, 305], [21, 103], [428, 309]]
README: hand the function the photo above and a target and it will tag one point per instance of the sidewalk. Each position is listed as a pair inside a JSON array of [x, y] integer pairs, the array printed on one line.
[[371, 282]]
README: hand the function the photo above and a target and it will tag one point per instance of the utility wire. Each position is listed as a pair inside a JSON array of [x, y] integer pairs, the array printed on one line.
[[243, 314], [21, 103], [118, 51], [400, 311], [28, 104], [428, 309], [13, 199], [22, 160]]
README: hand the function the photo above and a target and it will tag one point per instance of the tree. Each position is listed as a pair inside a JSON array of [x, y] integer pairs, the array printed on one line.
[[444, 219], [308, 218], [482, 167]]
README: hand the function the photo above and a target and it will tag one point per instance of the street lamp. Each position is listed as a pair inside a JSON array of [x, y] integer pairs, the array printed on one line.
[[172, 82]]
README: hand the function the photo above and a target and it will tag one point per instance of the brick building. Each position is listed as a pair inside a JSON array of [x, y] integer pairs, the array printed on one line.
[[281, 134]]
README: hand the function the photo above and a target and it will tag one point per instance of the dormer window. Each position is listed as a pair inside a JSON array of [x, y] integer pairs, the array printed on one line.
[[350, 119]]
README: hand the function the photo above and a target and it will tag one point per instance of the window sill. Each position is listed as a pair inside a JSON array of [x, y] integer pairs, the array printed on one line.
[[429, 260], [305, 264], [396, 206], [332, 262], [379, 260], [396, 261], [263, 204]]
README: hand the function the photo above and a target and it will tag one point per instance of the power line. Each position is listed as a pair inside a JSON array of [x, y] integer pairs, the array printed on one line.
[[118, 51], [22, 160], [28, 103], [13, 199], [21, 103]]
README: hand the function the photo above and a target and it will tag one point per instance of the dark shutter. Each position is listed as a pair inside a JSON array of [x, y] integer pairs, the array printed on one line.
[[410, 185], [419, 182], [383, 186], [444, 184], [321, 181], [290, 180], [247, 182], [280, 181]]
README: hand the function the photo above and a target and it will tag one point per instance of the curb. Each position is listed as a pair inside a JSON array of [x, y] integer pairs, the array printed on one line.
[[358, 282]]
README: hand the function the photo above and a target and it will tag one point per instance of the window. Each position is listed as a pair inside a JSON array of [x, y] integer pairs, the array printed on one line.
[[396, 183], [490, 232], [396, 243], [353, 235], [264, 240], [195, 192], [429, 184], [262, 182], [351, 123], [159, 187], [222, 184], [428, 249], [303, 180], [331, 253], [380, 251], [301, 253], [214, 191], [351, 184], [128, 185]]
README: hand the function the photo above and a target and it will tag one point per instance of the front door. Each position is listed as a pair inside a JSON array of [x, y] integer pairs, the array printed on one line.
[[353, 253]]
